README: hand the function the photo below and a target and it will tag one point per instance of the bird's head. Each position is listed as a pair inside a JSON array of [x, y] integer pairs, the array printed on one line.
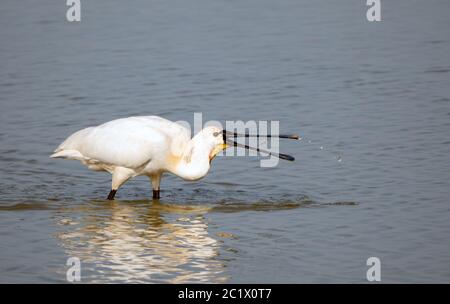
[[217, 140], [214, 139]]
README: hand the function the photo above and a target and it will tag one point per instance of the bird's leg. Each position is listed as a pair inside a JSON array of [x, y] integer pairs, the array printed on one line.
[[111, 195], [156, 194], [156, 181], [119, 176]]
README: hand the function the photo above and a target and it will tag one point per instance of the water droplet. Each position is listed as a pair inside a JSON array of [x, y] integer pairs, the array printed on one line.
[[321, 148], [339, 158]]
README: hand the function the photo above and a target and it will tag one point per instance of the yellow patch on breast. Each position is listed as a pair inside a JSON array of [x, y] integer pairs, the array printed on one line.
[[173, 161]]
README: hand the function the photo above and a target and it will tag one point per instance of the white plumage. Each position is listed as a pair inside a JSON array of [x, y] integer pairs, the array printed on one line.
[[146, 145]]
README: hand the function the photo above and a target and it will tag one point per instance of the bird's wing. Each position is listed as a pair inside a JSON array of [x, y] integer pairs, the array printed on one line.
[[129, 142]]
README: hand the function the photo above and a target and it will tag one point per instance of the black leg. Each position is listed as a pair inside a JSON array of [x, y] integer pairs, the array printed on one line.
[[111, 194], [156, 194]]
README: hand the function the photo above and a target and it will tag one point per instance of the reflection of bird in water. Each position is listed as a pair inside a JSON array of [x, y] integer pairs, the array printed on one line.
[[131, 243]]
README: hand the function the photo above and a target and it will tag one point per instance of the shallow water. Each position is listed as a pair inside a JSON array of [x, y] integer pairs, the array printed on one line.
[[376, 95]]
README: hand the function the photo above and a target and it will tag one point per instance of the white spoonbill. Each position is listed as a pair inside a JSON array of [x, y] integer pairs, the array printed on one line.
[[150, 146]]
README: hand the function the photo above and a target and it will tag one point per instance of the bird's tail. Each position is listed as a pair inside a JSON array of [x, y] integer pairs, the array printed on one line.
[[68, 154]]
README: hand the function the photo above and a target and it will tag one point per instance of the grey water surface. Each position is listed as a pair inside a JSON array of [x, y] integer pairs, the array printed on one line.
[[372, 172]]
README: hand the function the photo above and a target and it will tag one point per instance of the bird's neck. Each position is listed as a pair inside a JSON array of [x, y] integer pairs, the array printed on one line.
[[194, 163]]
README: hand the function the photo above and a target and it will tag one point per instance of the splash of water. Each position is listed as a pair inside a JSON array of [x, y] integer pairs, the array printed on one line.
[[335, 155]]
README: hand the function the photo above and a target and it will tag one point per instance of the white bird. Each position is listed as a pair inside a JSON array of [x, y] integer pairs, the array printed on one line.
[[150, 146]]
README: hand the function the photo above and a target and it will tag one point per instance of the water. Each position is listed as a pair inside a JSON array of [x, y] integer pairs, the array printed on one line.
[[375, 96]]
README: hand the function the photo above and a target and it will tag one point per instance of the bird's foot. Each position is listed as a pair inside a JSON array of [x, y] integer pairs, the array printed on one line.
[[111, 195], [156, 194]]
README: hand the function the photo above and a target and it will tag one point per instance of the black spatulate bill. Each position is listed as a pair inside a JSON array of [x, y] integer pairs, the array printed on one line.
[[279, 155], [288, 136]]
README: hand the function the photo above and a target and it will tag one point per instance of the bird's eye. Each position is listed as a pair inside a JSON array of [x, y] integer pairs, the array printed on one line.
[[216, 134]]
